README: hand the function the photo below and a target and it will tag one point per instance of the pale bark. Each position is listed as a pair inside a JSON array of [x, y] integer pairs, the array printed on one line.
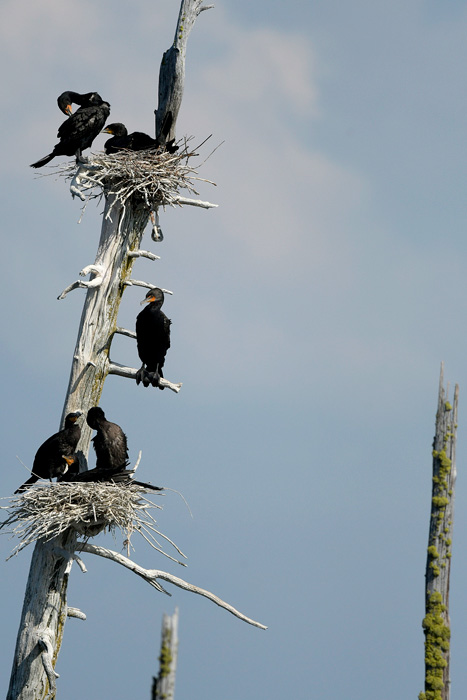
[[164, 685], [122, 231], [45, 606], [172, 70], [152, 577], [43, 619]]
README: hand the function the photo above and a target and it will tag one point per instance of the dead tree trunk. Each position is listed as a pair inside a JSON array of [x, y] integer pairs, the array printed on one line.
[[163, 687], [45, 605], [436, 623]]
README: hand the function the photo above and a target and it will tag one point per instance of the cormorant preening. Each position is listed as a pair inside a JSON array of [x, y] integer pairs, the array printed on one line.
[[109, 442], [80, 129], [66, 99], [56, 454], [152, 338], [111, 449]]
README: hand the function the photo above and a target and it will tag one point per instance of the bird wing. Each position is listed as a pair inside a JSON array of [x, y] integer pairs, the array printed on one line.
[[152, 337], [49, 458], [110, 444], [86, 120]]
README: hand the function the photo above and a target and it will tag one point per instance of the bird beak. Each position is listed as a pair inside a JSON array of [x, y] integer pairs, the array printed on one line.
[[68, 110], [106, 131], [147, 301]]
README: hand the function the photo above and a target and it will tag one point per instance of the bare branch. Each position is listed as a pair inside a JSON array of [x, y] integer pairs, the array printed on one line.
[[152, 576], [75, 612], [147, 285], [143, 254], [80, 563], [194, 203], [130, 373], [125, 331], [96, 281]]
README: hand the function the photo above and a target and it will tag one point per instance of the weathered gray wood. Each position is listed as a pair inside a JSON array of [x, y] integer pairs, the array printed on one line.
[[45, 606], [42, 620], [436, 623], [122, 231], [163, 687], [172, 70]]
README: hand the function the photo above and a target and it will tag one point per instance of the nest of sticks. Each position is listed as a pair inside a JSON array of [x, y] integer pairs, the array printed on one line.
[[153, 175], [44, 512]]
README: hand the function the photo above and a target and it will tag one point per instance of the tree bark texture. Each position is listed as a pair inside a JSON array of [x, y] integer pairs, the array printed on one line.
[[43, 618], [163, 687], [436, 623], [45, 608], [122, 231], [172, 70]]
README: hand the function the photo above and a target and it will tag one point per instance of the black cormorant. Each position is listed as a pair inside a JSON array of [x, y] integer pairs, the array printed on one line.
[[56, 454], [122, 140], [68, 98], [110, 442], [137, 141], [152, 338], [79, 130]]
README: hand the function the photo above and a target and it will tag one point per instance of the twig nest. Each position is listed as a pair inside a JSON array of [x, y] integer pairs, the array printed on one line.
[[153, 175], [44, 512]]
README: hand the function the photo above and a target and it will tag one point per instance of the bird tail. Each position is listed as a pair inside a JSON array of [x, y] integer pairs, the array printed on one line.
[[143, 485], [32, 480], [43, 161]]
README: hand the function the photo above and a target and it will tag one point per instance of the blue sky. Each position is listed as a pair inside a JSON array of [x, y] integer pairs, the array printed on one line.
[[311, 312]]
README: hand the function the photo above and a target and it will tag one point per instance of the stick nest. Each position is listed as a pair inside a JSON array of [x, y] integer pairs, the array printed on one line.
[[153, 175], [44, 512]]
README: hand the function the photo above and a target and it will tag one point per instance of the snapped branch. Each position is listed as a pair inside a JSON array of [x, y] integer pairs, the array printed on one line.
[[96, 281]]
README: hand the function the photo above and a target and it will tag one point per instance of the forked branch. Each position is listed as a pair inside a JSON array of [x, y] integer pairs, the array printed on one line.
[[152, 576]]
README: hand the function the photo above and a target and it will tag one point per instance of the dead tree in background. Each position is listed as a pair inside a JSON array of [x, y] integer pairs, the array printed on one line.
[[436, 623], [163, 687], [45, 606]]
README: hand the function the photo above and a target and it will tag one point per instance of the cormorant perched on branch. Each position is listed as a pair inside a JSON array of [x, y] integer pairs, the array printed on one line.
[[68, 98], [152, 338], [80, 129], [56, 454], [110, 442]]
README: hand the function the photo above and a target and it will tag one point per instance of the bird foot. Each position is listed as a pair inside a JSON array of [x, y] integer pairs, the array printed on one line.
[[140, 374], [148, 378]]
